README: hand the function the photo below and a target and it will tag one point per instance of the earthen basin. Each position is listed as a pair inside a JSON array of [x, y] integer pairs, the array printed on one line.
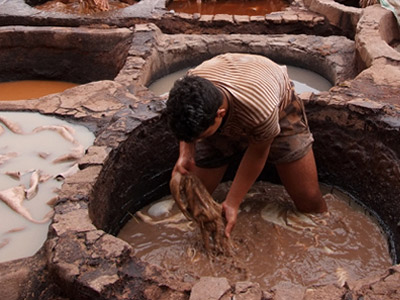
[[355, 125]]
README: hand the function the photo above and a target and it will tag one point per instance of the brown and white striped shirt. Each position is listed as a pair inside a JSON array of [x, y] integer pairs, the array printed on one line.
[[256, 88]]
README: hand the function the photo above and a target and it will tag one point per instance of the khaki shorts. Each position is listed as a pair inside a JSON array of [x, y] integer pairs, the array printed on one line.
[[293, 142]]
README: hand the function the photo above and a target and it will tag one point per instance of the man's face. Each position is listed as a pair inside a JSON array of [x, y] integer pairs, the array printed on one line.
[[209, 131], [217, 123]]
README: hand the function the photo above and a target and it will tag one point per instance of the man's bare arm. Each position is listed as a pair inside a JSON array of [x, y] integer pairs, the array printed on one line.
[[185, 162], [249, 169]]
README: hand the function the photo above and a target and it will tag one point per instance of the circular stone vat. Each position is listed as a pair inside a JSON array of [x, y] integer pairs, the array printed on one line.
[[138, 172], [66, 54], [37, 155], [330, 57], [59, 55], [272, 242], [303, 80]]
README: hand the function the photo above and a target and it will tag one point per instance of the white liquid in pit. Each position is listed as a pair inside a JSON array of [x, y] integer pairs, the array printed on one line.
[[19, 237], [304, 81]]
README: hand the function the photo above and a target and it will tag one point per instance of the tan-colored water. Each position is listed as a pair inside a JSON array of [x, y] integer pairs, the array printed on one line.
[[31, 89], [230, 7], [274, 242], [304, 81], [20, 156]]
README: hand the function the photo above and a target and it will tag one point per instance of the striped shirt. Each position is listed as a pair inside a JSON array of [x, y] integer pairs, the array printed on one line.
[[256, 89]]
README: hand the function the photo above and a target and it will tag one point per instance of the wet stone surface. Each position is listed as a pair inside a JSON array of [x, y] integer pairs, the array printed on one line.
[[81, 260]]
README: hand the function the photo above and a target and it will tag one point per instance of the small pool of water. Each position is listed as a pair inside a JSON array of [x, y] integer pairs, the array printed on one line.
[[273, 243], [32, 89], [304, 81], [21, 155], [230, 7]]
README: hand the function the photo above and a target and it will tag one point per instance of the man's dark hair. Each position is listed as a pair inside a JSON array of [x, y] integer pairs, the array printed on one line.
[[192, 106]]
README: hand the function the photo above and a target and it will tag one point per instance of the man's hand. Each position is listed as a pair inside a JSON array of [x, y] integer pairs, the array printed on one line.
[[183, 165], [231, 212]]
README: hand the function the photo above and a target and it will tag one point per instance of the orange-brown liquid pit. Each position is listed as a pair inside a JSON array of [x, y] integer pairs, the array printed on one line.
[[273, 243], [230, 7], [73, 6], [31, 89]]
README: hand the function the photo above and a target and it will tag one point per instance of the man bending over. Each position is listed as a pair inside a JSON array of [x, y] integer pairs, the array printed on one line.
[[243, 106]]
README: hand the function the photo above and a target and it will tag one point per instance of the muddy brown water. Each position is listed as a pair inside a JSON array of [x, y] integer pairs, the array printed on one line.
[[273, 242], [31, 89], [230, 7]]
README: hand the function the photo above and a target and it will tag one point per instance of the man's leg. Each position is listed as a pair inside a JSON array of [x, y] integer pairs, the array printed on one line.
[[300, 179], [210, 177]]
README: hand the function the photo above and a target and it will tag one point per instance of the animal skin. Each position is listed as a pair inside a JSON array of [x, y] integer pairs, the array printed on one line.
[[90, 6], [7, 156], [75, 154], [33, 185], [14, 197], [71, 171], [12, 126], [64, 131], [198, 205]]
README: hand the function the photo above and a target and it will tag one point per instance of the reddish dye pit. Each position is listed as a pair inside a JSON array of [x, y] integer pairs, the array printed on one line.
[[273, 242], [230, 7]]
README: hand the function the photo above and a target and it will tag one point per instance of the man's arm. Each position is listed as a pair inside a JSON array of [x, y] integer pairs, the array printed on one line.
[[185, 162], [249, 169]]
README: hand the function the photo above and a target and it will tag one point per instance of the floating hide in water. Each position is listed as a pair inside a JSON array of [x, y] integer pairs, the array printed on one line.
[[65, 131], [33, 185], [14, 197], [12, 126]]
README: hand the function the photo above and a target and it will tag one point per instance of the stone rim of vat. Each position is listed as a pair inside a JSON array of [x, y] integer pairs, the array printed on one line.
[[97, 265]]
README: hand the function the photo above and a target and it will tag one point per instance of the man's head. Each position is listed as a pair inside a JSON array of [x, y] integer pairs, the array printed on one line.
[[192, 107]]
